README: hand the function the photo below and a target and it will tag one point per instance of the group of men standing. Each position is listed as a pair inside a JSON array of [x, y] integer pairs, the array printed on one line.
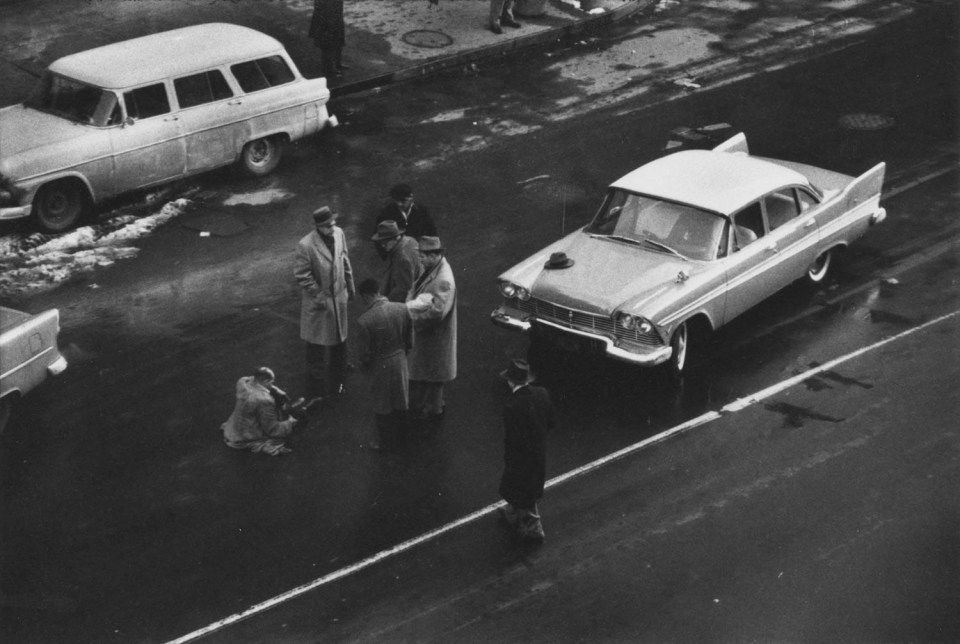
[[408, 351]]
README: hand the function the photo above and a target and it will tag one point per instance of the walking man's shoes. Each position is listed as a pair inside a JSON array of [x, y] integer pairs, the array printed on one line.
[[510, 22], [495, 28]]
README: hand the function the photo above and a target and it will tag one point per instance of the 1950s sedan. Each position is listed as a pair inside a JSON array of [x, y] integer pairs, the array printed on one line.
[[683, 245], [150, 110]]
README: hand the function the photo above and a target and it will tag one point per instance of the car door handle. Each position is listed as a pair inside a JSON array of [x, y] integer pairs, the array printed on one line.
[[236, 102], [172, 118], [772, 248], [809, 224]]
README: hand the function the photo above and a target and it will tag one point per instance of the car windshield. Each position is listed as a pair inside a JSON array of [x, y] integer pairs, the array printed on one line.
[[75, 100], [662, 226]]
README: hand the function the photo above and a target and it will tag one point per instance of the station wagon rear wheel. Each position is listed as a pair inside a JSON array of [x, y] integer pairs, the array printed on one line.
[[261, 156], [58, 206], [819, 269]]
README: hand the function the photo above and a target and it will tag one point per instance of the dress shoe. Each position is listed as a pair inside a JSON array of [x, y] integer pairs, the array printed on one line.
[[496, 29], [510, 22]]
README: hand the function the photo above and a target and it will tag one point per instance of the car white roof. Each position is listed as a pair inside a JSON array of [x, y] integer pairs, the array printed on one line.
[[721, 182], [168, 53]]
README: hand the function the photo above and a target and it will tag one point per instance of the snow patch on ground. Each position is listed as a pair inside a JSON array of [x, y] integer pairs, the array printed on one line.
[[257, 197], [38, 262]]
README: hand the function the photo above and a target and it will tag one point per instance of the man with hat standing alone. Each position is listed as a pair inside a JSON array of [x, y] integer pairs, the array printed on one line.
[[527, 417], [432, 303], [325, 277], [402, 258]]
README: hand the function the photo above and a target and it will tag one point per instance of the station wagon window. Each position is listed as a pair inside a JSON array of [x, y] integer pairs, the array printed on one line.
[[781, 207], [74, 100], [144, 102], [198, 89], [262, 73]]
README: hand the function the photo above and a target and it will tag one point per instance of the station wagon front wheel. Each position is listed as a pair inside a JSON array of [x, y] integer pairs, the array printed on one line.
[[820, 267], [58, 206], [261, 156]]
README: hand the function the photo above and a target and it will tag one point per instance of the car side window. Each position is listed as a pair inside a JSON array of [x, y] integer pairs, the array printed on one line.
[[806, 200], [198, 89], [262, 73], [748, 225], [144, 102], [781, 207]]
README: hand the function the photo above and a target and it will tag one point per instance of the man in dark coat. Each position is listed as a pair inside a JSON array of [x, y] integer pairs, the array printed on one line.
[[329, 34], [412, 218], [385, 337], [401, 257], [527, 417]]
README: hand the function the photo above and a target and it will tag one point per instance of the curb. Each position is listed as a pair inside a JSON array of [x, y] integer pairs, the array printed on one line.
[[436, 65]]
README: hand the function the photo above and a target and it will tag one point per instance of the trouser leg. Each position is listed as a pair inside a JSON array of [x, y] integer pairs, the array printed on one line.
[[432, 398], [315, 385], [496, 8]]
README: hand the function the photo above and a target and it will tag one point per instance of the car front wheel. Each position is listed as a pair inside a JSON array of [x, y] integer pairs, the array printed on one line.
[[819, 269], [262, 156], [59, 206], [680, 343]]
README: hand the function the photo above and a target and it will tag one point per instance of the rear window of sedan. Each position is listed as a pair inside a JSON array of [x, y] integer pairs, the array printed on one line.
[[262, 73]]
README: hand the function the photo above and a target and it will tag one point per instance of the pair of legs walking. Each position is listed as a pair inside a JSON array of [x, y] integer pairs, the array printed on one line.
[[501, 13], [525, 522]]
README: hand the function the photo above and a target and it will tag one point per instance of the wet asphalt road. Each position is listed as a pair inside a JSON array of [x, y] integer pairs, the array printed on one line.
[[125, 518]]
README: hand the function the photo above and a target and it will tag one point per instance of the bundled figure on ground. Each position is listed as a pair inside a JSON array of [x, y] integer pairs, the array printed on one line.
[[432, 303], [385, 338], [263, 417], [527, 418]]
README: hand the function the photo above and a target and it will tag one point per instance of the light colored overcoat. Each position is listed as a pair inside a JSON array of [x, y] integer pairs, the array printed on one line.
[[254, 423], [326, 284], [385, 337], [434, 355]]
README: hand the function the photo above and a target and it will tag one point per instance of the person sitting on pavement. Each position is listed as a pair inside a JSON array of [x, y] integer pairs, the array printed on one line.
[[412, 218], [402, 258], [257, 422]]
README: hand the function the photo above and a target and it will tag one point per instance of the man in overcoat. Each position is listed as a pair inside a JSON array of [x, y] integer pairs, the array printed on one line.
[[527, 417], [325, 277], [255, 423], [385, 337], [401, 257], [432, 303], [412, 218], [328, 33]]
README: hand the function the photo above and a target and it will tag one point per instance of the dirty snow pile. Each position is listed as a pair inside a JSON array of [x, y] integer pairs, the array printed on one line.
[[36, 262]]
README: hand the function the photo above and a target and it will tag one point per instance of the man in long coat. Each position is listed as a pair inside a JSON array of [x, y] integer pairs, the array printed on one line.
[[527, 417], [401, 257], [432, 303], [385, 337], [329, 34], [325, 277], [412, 218], [255, 423]]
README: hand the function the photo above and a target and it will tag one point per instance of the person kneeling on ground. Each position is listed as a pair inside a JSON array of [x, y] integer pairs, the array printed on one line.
[[260, 421]]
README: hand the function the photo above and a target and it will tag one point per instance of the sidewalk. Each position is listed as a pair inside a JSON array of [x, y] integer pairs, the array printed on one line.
[[387, 40]]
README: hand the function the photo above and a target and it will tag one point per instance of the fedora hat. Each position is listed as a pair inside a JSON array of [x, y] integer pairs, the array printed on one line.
[[323, 215], [518, 372], [387, 229], [558, 260], [400, 192], [430, 244]]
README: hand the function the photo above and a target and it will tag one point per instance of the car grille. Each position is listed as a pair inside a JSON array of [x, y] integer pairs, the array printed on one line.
[[598, 324]]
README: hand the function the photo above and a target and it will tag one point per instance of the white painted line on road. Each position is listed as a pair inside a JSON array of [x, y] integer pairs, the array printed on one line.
[[735, 406]]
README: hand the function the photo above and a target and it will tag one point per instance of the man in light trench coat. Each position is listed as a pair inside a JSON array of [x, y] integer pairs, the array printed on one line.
[[325, 277], [432, 303]]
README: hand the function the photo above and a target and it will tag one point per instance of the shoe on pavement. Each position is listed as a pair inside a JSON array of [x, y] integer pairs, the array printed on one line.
[[496, 29], [509, 22]]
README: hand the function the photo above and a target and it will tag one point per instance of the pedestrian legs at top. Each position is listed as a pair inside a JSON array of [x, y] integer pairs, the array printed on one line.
[[501, 13]]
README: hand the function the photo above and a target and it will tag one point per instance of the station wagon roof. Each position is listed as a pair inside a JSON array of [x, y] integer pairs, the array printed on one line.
[[169, 53], [721, 182]]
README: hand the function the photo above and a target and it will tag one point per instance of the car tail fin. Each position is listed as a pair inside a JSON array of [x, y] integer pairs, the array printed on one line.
[[736, 143], [865, 187]]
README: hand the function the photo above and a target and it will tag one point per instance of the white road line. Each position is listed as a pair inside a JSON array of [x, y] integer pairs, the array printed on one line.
[[735, 406]]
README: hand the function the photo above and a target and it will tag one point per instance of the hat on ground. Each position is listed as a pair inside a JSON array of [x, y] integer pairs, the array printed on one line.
[[558, 260], [430, 244], [323, 215], [400, 192], [518, 372], [387, 229]]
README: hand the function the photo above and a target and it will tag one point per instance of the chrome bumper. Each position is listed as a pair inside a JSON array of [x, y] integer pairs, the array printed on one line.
[[15, 212], [647, 358]]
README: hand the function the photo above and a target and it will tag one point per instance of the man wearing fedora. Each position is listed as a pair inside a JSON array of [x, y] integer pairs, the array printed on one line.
[[401, 258], [527, 417], [325, 277], [432, 302], [412, 218]]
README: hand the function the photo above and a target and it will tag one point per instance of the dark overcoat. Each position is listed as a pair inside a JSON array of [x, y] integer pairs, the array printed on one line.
[[416, 224], [385, 337], [434, 355], [403, 266], [527, 417], [326, 284], [326, 26]]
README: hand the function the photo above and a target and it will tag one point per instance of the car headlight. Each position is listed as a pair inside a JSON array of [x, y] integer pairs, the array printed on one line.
[[631, 322], [510, 290]]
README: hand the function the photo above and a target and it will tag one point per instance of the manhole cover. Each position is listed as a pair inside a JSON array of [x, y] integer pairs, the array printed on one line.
[[427, 38], [866, 121]]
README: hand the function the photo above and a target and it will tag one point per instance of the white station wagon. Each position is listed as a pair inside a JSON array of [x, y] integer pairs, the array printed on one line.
[[150, 110]]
